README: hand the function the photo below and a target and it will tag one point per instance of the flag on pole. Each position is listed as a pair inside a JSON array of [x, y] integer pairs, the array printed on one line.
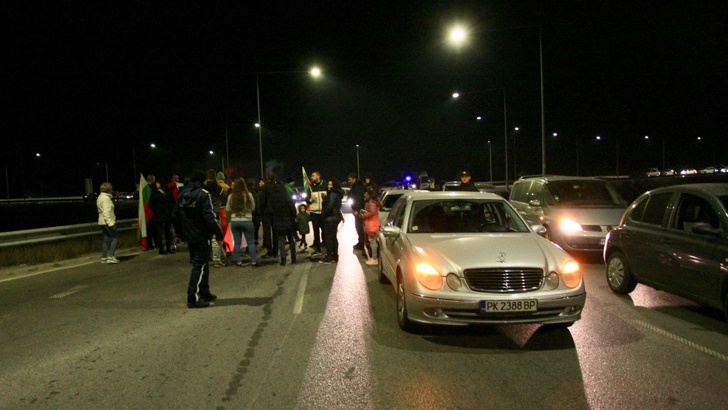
[[145, 213], [306, 182]]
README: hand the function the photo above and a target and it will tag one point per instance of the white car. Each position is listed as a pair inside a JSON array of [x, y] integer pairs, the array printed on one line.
[[388, 200], [460, 258]]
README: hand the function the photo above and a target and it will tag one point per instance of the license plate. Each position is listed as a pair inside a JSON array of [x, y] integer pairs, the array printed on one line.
[[602, 241], [493, 306]]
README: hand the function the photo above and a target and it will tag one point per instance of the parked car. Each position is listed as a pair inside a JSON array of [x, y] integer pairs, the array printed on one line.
[[688, 171], [673, 239], [669, 172], [459, 258], [577, 212], [389, 185], [451, 186]]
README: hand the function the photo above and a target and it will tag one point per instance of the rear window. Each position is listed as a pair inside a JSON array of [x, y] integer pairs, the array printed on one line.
[[582, 193]]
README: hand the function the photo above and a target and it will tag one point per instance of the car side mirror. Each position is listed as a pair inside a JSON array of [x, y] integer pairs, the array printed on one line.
[[391, 231], [539, 229], [534, 202], [703, 228]]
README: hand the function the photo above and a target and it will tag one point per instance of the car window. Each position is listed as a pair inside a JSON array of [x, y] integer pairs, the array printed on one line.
[[536, 193], [464, 215], [389, 200], [656, 206], [692, 209], [396, 215], [582, 193], [520, 191], [638, 211]]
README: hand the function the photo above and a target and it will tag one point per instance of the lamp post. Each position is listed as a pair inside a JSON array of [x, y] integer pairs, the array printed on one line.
[[314, 72], [358, 174], [505, 123], [515, 168], [458, 36], [490, 162]]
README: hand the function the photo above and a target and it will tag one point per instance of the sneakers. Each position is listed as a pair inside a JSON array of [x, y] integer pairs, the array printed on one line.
[[111, 259], [198, 305], [104, 259], [327, 261], [209, 298], [371, 261]]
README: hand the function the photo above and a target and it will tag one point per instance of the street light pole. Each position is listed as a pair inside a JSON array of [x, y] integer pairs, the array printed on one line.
[[357, 162], [260, 126], [505, 133], [490, 162], [543, 116]]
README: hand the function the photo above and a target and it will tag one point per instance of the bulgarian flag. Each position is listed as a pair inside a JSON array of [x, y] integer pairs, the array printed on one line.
[[145, 214], [306, 186], [306, 182]]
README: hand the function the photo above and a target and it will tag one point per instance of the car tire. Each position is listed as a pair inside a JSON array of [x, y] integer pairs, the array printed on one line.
[[619, 277], [402, 314], [380, 271]]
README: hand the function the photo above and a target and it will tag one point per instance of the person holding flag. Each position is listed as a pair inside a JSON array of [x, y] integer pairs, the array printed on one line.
[[144, 212]]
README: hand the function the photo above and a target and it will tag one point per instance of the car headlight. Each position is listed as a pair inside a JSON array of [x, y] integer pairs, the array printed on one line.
[[571, 274], [453, 281], [428, 276], [567, 225], [552, 280]]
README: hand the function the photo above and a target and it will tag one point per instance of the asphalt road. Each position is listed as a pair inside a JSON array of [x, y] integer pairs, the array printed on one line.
[[313, 336]]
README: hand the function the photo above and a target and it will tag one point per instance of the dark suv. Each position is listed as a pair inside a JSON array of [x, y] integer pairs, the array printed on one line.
[[674, 239], [577, 212]]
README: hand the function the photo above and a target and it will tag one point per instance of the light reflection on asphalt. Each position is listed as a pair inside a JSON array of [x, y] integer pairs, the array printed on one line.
[[338, 374]]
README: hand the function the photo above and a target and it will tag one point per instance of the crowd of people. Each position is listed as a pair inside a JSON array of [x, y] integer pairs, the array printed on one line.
[[206, 207]]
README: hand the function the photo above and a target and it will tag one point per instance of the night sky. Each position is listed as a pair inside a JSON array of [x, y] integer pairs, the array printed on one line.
[[90, 86]]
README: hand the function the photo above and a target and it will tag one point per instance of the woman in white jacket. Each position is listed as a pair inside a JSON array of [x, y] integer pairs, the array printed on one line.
[[107, 221]]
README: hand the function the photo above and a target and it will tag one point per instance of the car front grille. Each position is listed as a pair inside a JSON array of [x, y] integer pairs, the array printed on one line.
[[504, 280]]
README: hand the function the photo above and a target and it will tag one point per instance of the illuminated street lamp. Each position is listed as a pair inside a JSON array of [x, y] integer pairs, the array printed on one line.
[[314, 72], [458, 36]]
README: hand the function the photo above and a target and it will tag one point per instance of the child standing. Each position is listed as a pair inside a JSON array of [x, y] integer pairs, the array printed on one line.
[[371, 225], [302, 221]]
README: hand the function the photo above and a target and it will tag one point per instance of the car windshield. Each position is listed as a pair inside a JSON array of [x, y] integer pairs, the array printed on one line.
[[464, 215], [581, 193]]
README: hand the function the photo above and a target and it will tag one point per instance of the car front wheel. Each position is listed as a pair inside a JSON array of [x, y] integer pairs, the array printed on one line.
[[619, 277], [402, 314]]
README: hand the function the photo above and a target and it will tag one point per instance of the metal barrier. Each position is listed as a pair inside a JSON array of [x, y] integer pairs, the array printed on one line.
[[58, 233]]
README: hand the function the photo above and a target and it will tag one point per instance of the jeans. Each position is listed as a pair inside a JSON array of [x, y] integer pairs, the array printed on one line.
[[238, 229], [373, 249], [111, 238], [282, 237], [332, 242]]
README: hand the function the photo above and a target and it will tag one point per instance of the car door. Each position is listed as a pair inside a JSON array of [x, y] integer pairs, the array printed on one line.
[[692, 262], [641, 241], [388, 249]]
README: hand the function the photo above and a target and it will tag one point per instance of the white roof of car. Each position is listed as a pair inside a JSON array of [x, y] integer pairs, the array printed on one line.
[[420, 195]]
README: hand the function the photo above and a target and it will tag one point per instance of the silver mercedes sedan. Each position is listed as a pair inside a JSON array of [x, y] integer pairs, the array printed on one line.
[[460, 258]]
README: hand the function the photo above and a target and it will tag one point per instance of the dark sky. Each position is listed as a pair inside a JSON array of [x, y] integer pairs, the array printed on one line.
[[90, 86]]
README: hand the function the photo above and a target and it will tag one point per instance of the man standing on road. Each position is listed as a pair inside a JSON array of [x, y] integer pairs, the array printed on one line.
[[356, 195], [316, 189], [195, 222]]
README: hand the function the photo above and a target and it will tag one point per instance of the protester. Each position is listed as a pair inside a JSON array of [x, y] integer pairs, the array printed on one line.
[[195, 222], [356, 196], [284, 221], [317, 188], [161, 203], [370, 215], [332, 216], [107, 221], [302, 221], [270, 240], [151, 226], [465, 182], [219, 258], [239, 207]]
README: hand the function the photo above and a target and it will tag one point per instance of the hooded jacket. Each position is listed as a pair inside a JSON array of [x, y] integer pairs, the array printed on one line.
[[194, 220], [332, 205]]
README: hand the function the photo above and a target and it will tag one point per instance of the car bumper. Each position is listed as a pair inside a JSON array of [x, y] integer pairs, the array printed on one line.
[[438, 311]]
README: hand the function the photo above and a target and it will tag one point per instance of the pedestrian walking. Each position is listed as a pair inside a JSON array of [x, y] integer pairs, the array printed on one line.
[[107, 221]]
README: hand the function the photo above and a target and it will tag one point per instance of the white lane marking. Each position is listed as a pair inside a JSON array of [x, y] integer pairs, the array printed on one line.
[[68, 292], [298, 306], [682, 340]]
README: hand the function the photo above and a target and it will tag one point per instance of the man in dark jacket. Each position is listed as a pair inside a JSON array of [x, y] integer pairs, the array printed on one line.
[[284, 220], [219, 257], [356, 195], [161, 202], [465, 182], [195, 223], [270, 239], [331, 215]]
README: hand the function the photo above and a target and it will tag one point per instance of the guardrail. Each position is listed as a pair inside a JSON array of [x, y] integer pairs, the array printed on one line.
[[58, 233]]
